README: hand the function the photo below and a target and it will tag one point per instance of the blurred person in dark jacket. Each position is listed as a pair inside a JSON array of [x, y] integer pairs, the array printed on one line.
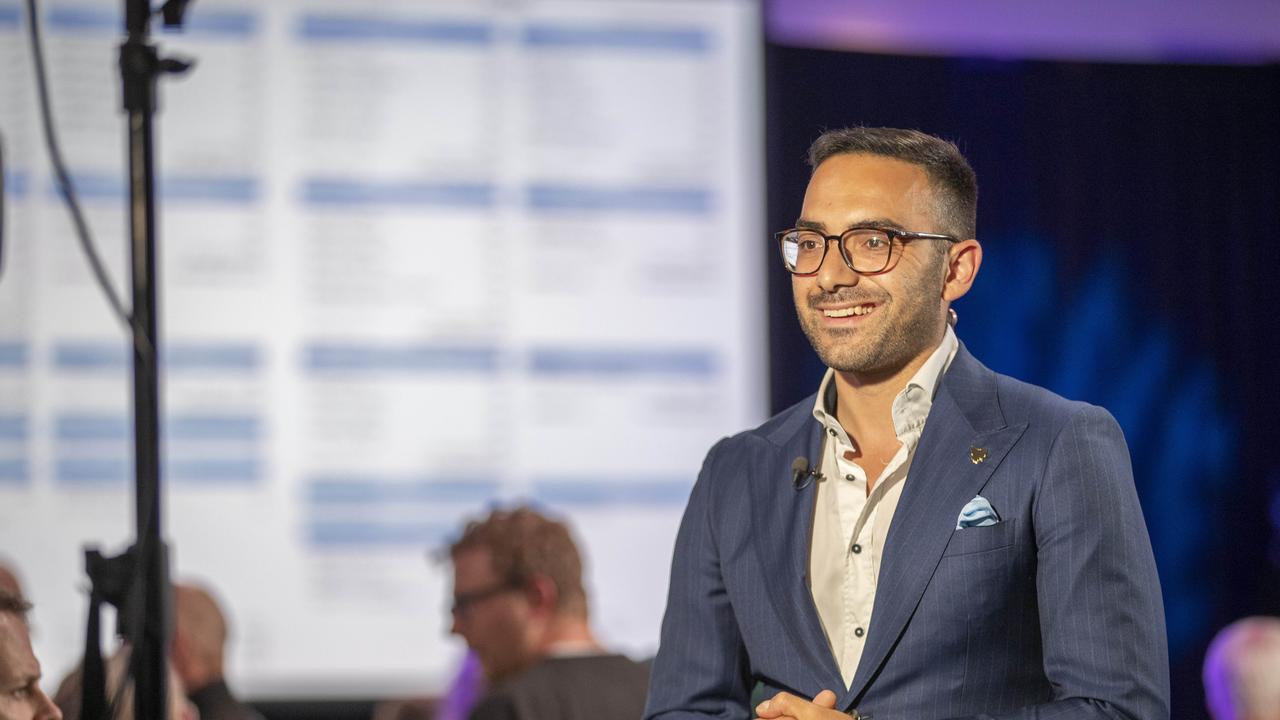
[[520, 604], [199, 651]]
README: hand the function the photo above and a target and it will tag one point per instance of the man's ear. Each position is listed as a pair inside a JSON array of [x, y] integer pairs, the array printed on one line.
[[180, 653], [963, 260], [542, 593], [177, 643]]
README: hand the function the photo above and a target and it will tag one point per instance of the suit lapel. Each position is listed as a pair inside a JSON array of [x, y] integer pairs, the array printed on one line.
[[783, 520], [942, 479]]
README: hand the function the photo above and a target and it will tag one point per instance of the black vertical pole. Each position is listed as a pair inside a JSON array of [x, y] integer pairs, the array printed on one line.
[[148, 622]]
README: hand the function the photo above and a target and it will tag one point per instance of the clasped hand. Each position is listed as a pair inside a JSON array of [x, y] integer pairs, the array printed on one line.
[[785, 706]]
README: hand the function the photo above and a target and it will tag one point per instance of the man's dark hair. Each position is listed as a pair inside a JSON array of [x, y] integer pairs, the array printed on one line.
[[954, 183], [523, 543], [15, 604]]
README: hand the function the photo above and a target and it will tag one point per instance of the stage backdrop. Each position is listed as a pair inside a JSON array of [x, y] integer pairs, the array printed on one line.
[[1128, 214], [416, 258]]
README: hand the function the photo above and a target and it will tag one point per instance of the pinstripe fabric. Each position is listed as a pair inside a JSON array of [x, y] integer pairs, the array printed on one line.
[[1053, 612]]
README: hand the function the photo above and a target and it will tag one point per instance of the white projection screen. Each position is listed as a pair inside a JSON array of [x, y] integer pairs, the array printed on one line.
[[417, 258]]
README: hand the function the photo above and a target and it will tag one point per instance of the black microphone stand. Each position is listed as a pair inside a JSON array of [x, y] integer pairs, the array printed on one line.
[[138, 581]]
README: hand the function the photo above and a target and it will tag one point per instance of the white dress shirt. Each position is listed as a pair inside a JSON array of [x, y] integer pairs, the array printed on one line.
[[850, 525]]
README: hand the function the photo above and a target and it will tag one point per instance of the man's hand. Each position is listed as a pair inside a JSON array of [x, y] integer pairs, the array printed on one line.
[[785, 706]]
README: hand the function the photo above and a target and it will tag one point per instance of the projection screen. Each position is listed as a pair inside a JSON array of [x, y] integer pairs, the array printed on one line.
[[417, 258]]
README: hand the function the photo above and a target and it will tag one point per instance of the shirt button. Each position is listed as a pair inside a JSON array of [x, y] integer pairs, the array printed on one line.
[[850, 477], [856, 548], [859, 632], [831, 432]]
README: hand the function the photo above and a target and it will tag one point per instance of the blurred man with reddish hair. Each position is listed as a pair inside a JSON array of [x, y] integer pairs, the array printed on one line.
[[519, 603]]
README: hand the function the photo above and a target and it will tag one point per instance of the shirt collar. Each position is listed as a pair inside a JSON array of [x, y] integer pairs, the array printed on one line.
[[912, 404]]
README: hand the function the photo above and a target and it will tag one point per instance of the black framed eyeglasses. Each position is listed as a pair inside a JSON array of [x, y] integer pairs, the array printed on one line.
[[463, 601], [866, 250]]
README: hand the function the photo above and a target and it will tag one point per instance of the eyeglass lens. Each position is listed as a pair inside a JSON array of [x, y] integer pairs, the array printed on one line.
[[867, 250]]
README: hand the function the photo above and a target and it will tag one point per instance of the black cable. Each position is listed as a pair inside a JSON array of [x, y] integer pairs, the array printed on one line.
[[141, 340], [66, 187]]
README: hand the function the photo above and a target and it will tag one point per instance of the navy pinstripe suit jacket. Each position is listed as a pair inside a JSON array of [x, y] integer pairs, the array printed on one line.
[[1055, 612]]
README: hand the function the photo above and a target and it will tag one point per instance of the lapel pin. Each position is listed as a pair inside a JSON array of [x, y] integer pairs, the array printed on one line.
[[977, 454]]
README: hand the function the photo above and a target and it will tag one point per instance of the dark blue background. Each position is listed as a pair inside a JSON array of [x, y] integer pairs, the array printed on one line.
[[1130, 216]]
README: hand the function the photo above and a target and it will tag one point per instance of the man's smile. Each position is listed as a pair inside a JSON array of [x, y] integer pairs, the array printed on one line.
[[845, 311]]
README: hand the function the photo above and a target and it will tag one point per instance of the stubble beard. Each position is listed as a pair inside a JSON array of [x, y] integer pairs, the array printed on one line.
[[902, 331]]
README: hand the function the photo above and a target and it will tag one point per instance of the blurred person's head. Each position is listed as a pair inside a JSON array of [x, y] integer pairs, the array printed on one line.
[[9, 582], [199, 636], [20, 695], [517, 588], [1242, 671], [120, 691]]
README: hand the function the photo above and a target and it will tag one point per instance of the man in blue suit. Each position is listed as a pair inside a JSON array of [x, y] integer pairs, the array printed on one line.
[[923, 538]]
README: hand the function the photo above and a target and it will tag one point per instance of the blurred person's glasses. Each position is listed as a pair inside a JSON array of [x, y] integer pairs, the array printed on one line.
[[464, 601], [867, 250]]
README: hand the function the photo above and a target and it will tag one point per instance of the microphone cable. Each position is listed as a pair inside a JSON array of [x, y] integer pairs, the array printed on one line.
[[67, 188]]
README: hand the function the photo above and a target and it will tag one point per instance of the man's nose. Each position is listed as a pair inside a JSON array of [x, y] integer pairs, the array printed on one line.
[[47, 710], [834, 273]]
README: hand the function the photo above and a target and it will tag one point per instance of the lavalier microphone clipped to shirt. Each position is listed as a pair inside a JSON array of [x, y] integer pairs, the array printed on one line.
[[801, 475]]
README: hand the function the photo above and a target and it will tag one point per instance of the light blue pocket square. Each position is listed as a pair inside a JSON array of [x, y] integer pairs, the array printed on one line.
[[978, 513]]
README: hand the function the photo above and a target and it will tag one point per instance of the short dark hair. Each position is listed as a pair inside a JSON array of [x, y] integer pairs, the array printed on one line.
[[523, 543], [15, 604], [955, 184]]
